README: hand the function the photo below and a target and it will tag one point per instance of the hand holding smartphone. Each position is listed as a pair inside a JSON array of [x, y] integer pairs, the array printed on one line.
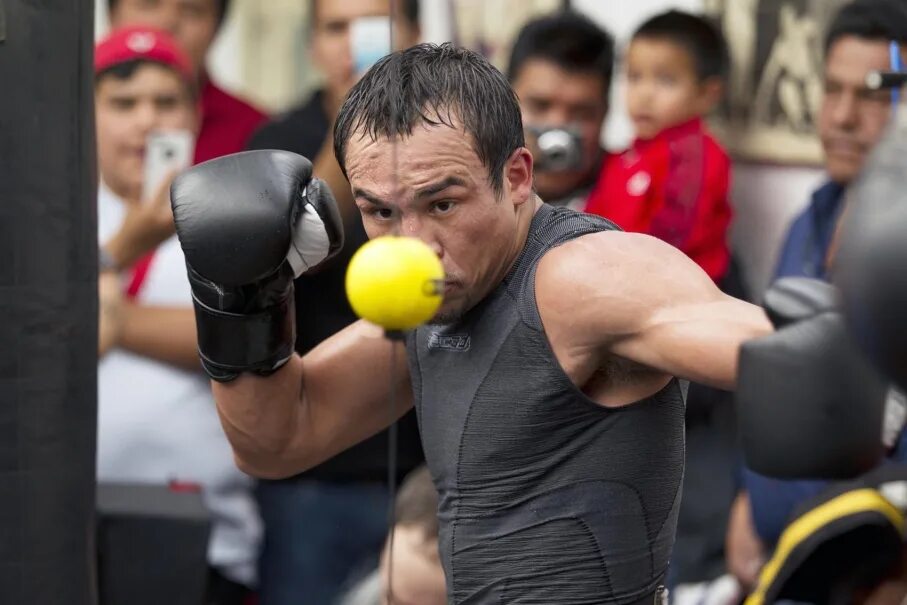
[[166, 152]]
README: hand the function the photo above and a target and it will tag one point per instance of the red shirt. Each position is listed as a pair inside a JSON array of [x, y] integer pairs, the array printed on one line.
[[674, 187], [227, 123]]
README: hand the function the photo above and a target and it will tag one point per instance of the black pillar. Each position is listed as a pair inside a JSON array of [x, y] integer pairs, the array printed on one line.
[[48, 302]]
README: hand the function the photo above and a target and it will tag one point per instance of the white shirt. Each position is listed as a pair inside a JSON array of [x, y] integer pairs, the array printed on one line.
[[158, 423]]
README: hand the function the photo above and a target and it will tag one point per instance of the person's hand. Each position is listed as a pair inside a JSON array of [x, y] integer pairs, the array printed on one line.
[[146, 225], [744, 551], [249, 224], [110, 307]]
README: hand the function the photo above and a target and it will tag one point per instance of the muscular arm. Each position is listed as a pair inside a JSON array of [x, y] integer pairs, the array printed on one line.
[[315, 406], [641, 299]]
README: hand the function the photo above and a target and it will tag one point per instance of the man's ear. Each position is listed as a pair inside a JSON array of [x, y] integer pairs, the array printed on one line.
[[518, 176], [711, 91], [710, 94]]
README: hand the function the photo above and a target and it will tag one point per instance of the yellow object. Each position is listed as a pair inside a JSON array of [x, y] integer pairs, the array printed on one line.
[[849, 503], [395, 282]]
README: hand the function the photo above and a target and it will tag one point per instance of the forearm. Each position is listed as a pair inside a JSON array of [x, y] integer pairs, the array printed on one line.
[[166, 334], [261, 417], [123, 251], [701, 345], [708, 351]]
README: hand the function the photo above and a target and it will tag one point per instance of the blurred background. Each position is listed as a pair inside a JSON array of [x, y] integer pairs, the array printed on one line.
[[261, 54]]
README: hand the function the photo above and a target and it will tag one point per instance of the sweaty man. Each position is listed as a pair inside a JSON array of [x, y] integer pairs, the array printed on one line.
[[553, 421]]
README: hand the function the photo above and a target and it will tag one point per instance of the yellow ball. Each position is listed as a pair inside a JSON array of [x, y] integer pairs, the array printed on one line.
[[394, 282]]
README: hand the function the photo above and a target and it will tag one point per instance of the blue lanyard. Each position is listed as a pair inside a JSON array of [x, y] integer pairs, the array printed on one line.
[[894, 50]]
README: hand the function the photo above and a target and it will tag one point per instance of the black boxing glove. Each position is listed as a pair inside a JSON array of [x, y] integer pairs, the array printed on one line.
[[249, 224], [869, 268], [809, 404]]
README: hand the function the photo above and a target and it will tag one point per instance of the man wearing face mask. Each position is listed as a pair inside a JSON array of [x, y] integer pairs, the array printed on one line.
[[560, 68]]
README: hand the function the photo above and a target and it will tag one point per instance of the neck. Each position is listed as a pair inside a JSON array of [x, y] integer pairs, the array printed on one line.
[[525, 214]]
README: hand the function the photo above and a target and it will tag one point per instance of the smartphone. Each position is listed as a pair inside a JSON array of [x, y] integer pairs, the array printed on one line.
[[370, 39], [166, 151]]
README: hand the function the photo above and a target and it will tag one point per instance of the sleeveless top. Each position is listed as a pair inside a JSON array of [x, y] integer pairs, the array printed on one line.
[[544, 496]]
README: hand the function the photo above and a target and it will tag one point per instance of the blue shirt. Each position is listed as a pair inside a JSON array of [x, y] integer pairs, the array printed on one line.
[[809, 237], [803, 254]]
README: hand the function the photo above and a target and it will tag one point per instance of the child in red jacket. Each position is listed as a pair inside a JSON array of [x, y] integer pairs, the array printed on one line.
[[673, 181]]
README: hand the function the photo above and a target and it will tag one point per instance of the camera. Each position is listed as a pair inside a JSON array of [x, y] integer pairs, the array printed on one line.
[[555, 149]]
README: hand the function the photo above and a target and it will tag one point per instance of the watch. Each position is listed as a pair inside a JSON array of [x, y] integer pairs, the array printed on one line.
[[105, 261]]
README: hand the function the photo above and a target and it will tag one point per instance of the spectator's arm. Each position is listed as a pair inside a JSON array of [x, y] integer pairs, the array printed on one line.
[[110, 306], [744, 551], [165, 334], [146, 225]]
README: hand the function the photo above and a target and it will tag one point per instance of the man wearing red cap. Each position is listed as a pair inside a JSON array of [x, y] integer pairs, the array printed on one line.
[[227, 122], [156, 418]]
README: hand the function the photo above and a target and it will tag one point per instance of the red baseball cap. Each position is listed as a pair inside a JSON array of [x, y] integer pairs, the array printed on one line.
[[145, 43]]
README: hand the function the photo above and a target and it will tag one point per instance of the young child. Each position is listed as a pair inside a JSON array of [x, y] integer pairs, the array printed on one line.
[[673, 181]]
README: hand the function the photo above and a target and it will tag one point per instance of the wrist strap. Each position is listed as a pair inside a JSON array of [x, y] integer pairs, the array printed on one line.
[[230, 343]]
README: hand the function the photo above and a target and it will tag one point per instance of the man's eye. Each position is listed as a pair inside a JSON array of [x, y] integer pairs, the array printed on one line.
[[383, 213], [122, 104], [443, 207]]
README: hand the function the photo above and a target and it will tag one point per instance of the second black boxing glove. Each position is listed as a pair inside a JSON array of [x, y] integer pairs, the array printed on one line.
[[249, 224], [809, 405]]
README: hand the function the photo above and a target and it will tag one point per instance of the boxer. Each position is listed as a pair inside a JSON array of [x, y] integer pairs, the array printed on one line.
[[550, 385]]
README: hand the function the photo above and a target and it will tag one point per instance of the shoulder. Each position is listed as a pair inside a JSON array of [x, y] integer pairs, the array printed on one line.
[[822, 207], [611, 276], [620, 271], [613, 251], [716, 153]]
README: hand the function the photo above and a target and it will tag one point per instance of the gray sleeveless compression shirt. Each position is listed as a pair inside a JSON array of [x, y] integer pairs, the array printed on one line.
[[545, 496]]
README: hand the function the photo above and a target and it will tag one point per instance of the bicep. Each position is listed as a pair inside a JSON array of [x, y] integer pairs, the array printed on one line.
[[643, 300], [687, 327], [347, 382]]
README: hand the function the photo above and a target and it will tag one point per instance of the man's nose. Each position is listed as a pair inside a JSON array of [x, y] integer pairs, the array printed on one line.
[[146, 117], [845, 111], [557, 116], [414, 227]]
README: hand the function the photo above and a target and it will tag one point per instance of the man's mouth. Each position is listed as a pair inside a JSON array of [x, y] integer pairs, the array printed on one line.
[[841, 147]]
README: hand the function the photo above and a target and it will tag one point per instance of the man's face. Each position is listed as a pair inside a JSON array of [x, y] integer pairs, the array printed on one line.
[[155, 97], [192, 22], [418, 578], [663, 88], [331, 49], [852, 118], [551, 96], [443, 197]]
